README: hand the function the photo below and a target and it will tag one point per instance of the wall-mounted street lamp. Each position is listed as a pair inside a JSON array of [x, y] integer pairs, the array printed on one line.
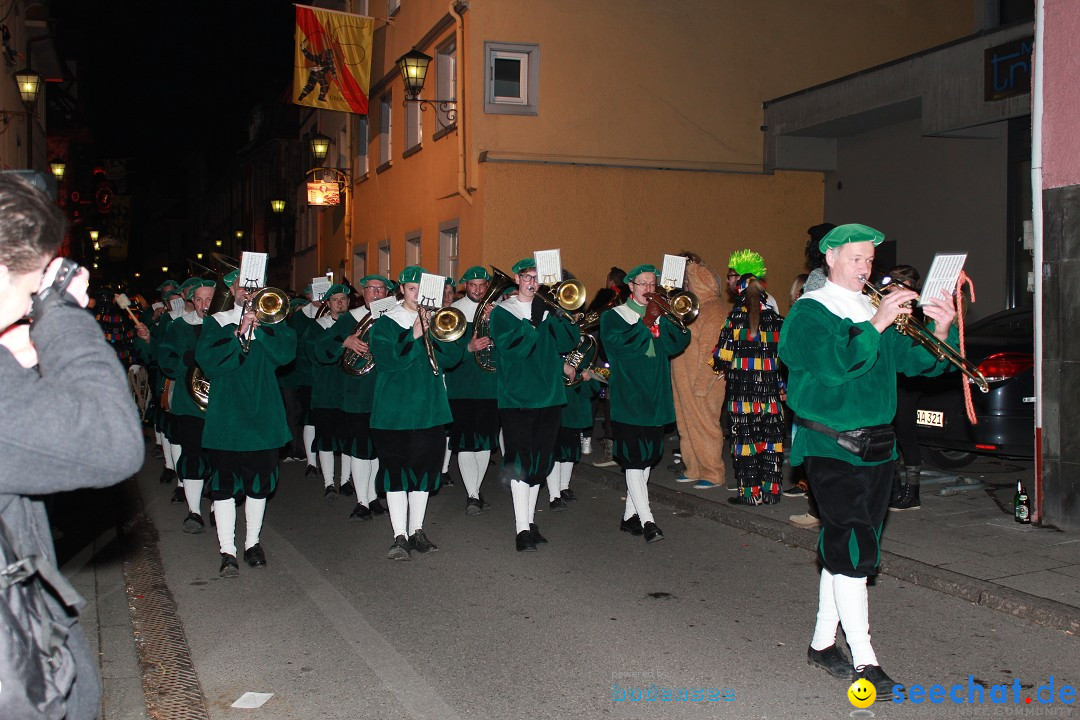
[[164, 268], [217, 243], [58, 168], [239, 235], [320, 146], [29, 83], [94, 235], [414, 66], [278, 206]]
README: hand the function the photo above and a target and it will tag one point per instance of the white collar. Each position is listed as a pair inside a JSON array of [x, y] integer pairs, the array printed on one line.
[[849, 304], [310, 310], [401, 315], [467, 306], [359, 313], [229, 317], [520, 310], [192, 318]]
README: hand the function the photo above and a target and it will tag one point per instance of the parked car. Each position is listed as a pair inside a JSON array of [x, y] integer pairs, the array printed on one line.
[[1002, 346]]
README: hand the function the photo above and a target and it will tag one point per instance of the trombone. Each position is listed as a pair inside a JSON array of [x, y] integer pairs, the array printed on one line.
[[271, 306], [918, 332], [446, 325], [564, 298], [680, 306]]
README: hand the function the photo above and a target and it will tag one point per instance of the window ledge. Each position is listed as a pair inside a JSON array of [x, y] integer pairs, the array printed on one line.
[[413, 150], [384, 167], [452, 127], [362, 178]]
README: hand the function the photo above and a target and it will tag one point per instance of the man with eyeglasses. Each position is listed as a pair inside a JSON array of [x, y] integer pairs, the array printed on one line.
[[357, 397], [640, 340], [530, 338]]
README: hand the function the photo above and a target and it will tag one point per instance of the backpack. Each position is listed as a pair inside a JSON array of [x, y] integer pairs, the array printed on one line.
[[37, 669]]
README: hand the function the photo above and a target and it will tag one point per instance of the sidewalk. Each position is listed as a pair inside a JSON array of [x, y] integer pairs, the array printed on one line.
[[963, 541]]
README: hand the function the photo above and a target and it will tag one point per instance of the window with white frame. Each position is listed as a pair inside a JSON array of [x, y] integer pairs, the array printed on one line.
[[511, 78], [448, 249], [446, 81], [414, 131], [362, 140], [412, 248], [385, 117], [384, 258], [359, 266]]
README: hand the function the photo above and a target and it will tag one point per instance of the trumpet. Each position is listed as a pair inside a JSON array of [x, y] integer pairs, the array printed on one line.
[[908, 325], [354, 363], [446, 325], [271, 306]]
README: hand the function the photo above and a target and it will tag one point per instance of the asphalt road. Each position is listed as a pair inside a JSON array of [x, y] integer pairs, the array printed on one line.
[[335, 630]]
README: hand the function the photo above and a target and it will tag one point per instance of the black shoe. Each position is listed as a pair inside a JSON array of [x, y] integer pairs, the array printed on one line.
[[797, 490], [376, 507], [908, 499], [254, 556], [536, 536], [311, 472], [400, 549], [167, 476], [651, 532], [347, 489], [421, 544], [632, 526], [833, 661], [229, 567], [178, 497], [558, 504], [568, 495], [330, 493], [473, 506], [447, 480], [193, 524], [882, 683], [484, 504], [524, 542], [359, 514]]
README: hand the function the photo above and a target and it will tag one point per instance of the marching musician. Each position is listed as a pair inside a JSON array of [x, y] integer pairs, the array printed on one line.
[[409, 414], [177, 359], [357, 397], [843, 356], [640, 340], [245, 419], [576, 418], [303, 321], [328, 395], [146, 347], [530, 339], [473, 395]]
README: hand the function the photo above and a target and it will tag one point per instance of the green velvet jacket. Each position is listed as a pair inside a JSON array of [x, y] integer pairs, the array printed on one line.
[[176, 356], [529, 360], [357, 392]]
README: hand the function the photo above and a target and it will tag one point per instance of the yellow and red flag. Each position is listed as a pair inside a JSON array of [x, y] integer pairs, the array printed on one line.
[[332, 63]]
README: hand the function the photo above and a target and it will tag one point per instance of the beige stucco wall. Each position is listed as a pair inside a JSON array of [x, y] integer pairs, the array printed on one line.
[[599, 217]]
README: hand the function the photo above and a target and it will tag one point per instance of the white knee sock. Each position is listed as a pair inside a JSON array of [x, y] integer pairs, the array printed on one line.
[[225, 516], [309, 440], [361, 479], [482, 459], [166, 450], [176, 450], [417, 509], [398, 503], [630, 510], [466, 462], [159, 438], [371, 496], [254, 511], [346, 468], [534, 493], [193, 494], [326, 464], [635, 486], [554, 482], [827, 616], [446, 457], [566, 469], [853, 606], [502, 444], [520, 492]]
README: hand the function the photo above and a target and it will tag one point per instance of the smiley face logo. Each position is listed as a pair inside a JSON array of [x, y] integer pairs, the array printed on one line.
[[862, 693]]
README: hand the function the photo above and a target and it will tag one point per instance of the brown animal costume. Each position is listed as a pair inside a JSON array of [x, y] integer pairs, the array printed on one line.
[[698, 391]]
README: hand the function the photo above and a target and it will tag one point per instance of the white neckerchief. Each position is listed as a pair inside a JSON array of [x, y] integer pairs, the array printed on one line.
[[310, 310], [468, 307], [192, 318], [520, 310], [403, 317], [175, 316], [325, 321], [229, 317], [359, 313], [628, 314], [848, 304]]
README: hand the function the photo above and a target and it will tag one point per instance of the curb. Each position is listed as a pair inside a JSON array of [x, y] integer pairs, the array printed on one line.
[[1019, 604]]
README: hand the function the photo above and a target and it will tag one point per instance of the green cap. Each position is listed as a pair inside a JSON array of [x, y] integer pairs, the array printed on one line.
[[853, 232], [335, 289], [231, 278], [169, 293], [522, 265], [476, 272], [450, 281], [411, 274], [385, 281], [166, 284], [747, 262], [194, 284], [297, 302], [184, 286], [638, 269]]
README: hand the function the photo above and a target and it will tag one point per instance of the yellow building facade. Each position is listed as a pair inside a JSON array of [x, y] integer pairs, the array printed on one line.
[[614, 130]]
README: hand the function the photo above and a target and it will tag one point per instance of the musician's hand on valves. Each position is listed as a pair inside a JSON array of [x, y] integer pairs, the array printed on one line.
[[942, 311], [892, 305], [355, 344], [247, 322], [479, 343], [569, 371]]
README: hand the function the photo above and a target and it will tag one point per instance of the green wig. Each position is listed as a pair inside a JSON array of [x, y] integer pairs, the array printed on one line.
[[747, 261]]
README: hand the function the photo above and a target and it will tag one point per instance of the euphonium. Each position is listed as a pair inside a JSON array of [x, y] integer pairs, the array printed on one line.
[[910, 326], [359, 364], [500, 281], [198, 387], [270, 305], [590, 321], [576, 357]]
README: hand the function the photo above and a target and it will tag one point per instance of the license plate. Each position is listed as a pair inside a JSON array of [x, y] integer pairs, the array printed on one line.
[[930, 418]]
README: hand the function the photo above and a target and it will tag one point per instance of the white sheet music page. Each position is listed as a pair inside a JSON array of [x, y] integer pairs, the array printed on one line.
[[378, 307], [176, 304], [319, 286], [431, 290], [673, 274], [943, 274], [548, 266], [253, 269]]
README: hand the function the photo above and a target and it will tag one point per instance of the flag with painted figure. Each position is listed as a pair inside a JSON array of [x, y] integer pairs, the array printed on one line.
[[332, 60]]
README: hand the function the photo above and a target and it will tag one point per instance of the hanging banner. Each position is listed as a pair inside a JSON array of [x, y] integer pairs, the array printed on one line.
[[332, 60]]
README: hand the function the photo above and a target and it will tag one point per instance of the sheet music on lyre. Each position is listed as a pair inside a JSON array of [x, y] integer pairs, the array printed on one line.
[[380, 306], [253, 270], [548, 267], [943, 274], [673, 274], [319, 286], [430, 294], [176, 305]]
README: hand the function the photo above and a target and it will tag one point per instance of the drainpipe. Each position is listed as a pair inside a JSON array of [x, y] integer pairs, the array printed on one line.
[[1037, 223], [459, 41]]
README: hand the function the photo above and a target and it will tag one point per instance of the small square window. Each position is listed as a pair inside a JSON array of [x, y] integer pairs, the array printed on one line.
[[414, 130], [412, 249], [511, 78], [446, 79], [384, 258], [448, 249], [385, 120]]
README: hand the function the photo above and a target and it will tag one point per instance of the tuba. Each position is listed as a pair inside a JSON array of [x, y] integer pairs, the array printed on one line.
[[500, 281], [354, 363]]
